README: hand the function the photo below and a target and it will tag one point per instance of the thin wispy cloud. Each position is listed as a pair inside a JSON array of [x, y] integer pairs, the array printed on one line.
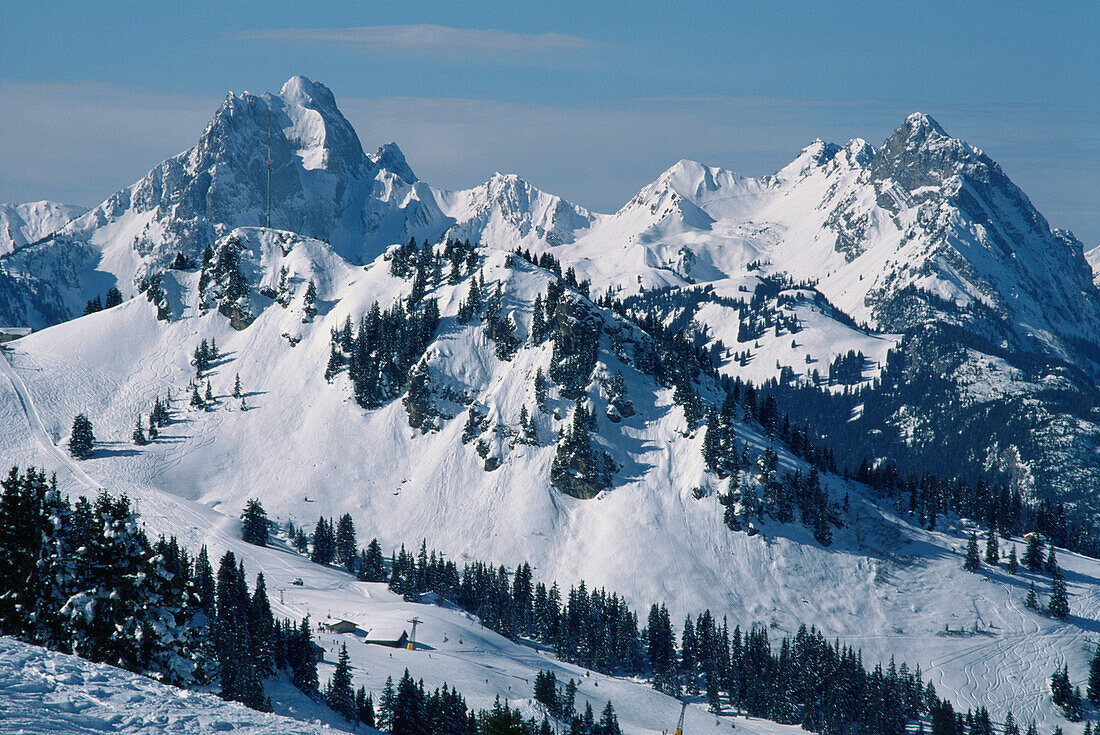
[[426, 38]]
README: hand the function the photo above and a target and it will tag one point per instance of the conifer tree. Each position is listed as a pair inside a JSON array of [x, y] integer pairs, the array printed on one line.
[[196, 399], [1092, 691], [310, 300], [1058, 607], [373, 567], [1064, 695], [114, 298], [1013, 565], [82, 439], [335, 362], [973, 561], [237, 386], [546, 691], [304, 666], [208, 398], [1051, 563], [609, 723], [1033, 554], [204, 583], [139, 434], [231, 635], [324, 543], [254, 527], [712, 441], [153, 433], [386, 704], [262, 628], [346, 545], [992, 549], [1032, 601], [339, 694]]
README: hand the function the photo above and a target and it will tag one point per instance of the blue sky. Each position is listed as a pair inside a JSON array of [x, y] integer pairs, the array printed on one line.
[[587, 102]]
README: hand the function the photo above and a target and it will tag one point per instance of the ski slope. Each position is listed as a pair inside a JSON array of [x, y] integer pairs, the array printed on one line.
[[304, 449]]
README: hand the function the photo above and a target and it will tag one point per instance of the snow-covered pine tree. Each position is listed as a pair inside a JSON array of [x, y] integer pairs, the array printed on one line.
[[345, 543], [1032, 600], [1058, 606], [712, 442], [254, 524], [82, 438], [1092, 691], [992, 548], [261, 626], [609, 723], [114, 298], [973, 560], [324, 542], [309, 302], [139, 433], [339, 693], [1033, 553], [540, 389], [1051, 562], [372, 567], [579, 469], [55, 577]]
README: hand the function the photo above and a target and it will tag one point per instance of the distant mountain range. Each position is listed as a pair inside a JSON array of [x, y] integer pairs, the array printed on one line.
[[639, 399]]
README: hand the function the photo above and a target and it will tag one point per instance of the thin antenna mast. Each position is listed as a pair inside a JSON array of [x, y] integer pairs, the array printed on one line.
[[269, 167]]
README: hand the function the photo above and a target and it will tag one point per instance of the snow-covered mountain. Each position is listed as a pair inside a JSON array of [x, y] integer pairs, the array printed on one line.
[[924, 211], [1093, 258], [507, 213], [472, 480], [925, 241], [25, 223], [893, 298], [866, 225], [321, 185]]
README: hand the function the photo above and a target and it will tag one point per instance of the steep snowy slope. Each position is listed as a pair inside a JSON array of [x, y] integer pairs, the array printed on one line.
[[1093, 258], [24, 223], [47, 692], [305, 448]]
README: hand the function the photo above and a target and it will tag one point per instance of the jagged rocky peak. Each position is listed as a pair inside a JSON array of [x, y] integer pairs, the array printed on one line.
[[919, 129], [390, 157], [920, 153], [303, 91], [302, 124]]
